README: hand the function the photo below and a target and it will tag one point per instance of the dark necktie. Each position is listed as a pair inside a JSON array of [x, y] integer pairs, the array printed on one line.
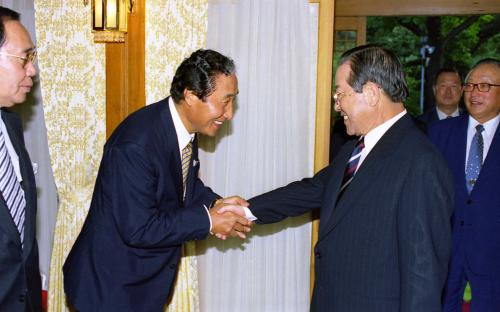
[[475, 159], [11, 189], [352, 164]]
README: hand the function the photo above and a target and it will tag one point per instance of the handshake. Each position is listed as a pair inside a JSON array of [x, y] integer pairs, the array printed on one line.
[[228, 218]]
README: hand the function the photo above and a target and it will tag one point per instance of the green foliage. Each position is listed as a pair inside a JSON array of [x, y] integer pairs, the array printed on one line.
[[462, 51]]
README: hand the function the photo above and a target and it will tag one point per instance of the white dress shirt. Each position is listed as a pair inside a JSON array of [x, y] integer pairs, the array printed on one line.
[[489, 132], [183, 138], [374, 135]]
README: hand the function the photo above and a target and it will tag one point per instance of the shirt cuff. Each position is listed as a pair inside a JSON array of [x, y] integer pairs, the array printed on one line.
[[248, 214], [209, 218]]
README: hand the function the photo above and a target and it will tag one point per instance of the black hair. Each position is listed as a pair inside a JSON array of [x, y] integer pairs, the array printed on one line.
[[446, 70], [197, 73], [6, 14]]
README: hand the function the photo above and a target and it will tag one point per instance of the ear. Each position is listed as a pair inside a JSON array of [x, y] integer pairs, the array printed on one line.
[[434, 90], [189, 97], [371, 93]]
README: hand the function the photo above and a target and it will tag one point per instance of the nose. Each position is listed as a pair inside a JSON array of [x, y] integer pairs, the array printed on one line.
[[336, 106], [228, 113], [30, 69]]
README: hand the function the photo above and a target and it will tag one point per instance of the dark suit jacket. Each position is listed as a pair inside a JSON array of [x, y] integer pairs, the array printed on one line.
[[384, 244], [20, 285], [476, 221], [126, 256], [431, 116]]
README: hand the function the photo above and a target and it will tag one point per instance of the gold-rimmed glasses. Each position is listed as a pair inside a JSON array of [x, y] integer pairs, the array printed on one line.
[[338, 96], [481, 87], [24, 60]]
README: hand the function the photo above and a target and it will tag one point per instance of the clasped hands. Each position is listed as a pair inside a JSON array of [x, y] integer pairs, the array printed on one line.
[[228, 218]]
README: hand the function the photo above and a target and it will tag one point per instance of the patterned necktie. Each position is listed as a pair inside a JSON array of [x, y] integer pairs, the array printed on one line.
[[186, 160], [10, 187], [475, 160], [352, 164]]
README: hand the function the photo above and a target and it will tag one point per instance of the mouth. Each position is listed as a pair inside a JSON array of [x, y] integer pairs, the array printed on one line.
[[475, 103], [219, 123]]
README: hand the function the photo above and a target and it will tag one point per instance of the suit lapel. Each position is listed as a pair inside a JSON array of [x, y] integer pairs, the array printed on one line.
[[193, 163], [173, 148], [363, 177], [333, 187], [458, 146], [491, 162], [30, 214]]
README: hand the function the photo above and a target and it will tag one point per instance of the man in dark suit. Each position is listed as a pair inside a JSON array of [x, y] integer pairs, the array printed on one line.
[[20, 285], [447, 89], [148, 199], [385, 203], [471, 145]]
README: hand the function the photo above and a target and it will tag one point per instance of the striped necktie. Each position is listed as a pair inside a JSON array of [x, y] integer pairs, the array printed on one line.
[[10, 187], [352, 164], [475, 159], [186, 160]]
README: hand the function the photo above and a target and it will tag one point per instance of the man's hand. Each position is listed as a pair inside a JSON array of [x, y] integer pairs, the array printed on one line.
[[234, 209], [235, 200], [228, 223]]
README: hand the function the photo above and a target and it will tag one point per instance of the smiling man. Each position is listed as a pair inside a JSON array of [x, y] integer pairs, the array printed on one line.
[[471, 145], [20, 286], [385, 202], [148, 200]]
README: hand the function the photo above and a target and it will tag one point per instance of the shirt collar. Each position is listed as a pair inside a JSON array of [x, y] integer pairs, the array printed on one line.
[[443, 115], [183, 136], [489, 127], [372, 137]]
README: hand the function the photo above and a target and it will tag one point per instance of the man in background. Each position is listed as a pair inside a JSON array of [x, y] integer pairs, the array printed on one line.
[[148, 200], [471, 146], [447, 93], [20, 285], [385, 203]]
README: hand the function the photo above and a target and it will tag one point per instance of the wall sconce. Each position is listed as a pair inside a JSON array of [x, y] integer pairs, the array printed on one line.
[[109, 19]]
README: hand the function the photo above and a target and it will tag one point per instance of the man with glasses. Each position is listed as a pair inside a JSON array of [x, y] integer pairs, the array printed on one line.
[[447, 90], [385, 202], [20, 286], [471, 145]]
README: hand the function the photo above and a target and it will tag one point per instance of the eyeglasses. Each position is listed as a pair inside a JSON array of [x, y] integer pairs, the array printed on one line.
[[338, 96], [481, 87], [24, 60]]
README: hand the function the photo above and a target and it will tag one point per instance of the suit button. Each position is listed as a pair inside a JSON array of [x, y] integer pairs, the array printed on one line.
[[469, 201], [318, 255], [173, 266], [461, 222], [22, 298]]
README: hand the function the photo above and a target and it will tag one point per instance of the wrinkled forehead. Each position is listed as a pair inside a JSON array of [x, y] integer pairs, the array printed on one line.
[[485, 73], [16, 36]]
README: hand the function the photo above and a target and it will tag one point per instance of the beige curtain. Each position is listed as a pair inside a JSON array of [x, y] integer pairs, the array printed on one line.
[[174, 29], [72, 78]]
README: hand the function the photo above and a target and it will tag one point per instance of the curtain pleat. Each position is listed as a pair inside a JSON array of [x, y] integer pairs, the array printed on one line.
[[269, 142]]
